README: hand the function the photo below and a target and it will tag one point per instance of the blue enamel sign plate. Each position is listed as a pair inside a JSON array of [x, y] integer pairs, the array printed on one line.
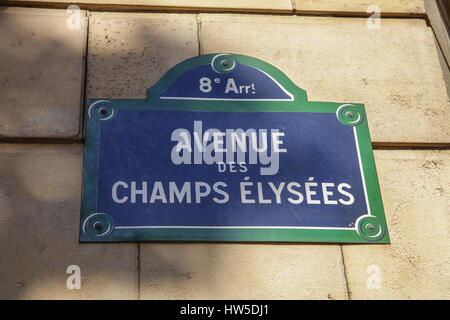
[[226, 148]]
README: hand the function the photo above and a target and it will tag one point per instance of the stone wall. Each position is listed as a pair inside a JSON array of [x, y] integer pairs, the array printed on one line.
[[48, 69]]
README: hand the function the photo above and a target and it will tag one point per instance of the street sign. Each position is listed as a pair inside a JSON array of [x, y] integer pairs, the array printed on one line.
[[226, 148]]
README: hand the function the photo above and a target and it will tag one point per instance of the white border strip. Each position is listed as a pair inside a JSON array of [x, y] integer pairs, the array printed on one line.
[[362, 171]]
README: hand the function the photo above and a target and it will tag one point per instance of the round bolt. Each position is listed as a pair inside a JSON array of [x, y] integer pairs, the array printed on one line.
[[98, 226], [103, 111], [225, 63], [349, 114], [370, 226]]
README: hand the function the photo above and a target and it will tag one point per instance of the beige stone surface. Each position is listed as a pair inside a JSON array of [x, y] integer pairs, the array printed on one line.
[[266, 5], [40, 197], [42, 66], [241, 271], [386, 6], [438, 24], [393, 70], [415, 187], [444, 67], [128, 53]]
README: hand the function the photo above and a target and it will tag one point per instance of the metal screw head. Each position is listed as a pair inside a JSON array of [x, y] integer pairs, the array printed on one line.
[[98, 226], [370, 226], [103, 111], [349, 114], [225, 63]]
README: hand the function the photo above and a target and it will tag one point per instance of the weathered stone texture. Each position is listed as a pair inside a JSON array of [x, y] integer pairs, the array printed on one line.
[[128, 53], [394, 70]]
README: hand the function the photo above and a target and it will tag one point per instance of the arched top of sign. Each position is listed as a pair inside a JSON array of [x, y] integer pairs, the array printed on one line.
[[226, 77]]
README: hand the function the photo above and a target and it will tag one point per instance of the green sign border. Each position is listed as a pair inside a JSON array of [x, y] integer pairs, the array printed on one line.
[[368, 228]]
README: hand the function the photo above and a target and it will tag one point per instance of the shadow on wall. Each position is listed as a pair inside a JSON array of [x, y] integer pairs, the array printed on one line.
[[40, 187]]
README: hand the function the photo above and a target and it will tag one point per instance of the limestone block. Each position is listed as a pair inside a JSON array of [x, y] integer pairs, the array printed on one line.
[[360, 6], [241, 271]]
